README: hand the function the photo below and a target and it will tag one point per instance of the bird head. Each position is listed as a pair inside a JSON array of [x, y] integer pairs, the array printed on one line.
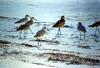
[[44, 28], [34, 18], [79, 23], [27, 15], [62, 17]]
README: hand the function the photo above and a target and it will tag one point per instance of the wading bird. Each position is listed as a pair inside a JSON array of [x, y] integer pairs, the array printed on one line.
[[60, 24], [81, 28], [39, 35], [96, 25], [25, 27]]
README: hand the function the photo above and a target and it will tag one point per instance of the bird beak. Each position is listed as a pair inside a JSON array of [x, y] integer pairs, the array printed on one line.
[[35, 19], [47, 29]]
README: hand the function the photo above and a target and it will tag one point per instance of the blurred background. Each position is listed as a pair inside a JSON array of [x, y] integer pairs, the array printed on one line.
[[49, 10]]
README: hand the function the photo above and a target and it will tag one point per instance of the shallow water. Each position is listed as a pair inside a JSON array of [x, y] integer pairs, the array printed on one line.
[[49, 12]]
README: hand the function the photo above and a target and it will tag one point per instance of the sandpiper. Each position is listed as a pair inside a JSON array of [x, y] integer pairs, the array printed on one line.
[[26, 26], [39, 35], [23, 28], [60, 24], [96, 25], [81, 28]]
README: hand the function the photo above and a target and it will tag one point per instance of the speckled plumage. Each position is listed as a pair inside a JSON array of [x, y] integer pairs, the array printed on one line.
[[60, 23], [40, 33]]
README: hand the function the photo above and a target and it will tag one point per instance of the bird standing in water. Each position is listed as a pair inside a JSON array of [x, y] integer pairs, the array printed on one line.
[[39, 35], [60, 24], [81, 28], [96, 25], [25, 27]]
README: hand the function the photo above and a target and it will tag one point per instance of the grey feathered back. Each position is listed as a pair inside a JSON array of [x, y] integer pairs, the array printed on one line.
[[41, 32]]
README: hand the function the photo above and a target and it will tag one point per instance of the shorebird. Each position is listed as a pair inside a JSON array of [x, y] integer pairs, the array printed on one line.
[[39, 35], [81, 28], [23, 20], [60, 24], [96, 25], [25, 27], [31, 22]]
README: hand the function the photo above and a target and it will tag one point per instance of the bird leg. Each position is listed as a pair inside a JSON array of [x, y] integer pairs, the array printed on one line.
[[80, 35], [59, 32], [25, 32], [20, 34], [84, 35], [39, 41], [96, 30], [31, 30]]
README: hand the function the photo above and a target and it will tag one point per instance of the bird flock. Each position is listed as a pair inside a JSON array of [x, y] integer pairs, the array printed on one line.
[[27, 22]]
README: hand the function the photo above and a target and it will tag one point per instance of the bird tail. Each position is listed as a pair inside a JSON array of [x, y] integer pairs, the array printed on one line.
[[17, 29], [90, 25], [55, 25], [35, 36], [17, 22]]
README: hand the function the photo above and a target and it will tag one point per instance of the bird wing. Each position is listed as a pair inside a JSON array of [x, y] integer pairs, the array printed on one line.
[[59, 23], [30, 22], [23, 27], [40, 33], [22, 20], [82, 28], [95, 24]]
